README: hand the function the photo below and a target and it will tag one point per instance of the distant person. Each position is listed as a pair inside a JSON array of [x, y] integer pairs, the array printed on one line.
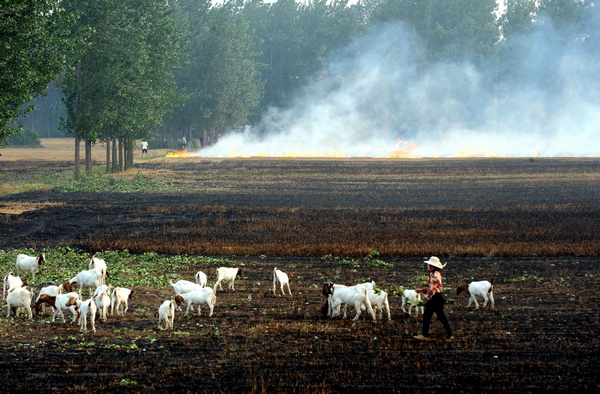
[[190, 146], [144, 147], [435, 299], [184, 141]]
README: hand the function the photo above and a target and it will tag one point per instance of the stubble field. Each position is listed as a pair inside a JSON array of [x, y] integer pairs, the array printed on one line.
[[530, 223]]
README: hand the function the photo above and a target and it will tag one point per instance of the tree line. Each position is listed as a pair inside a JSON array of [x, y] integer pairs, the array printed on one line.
[[146, 69]]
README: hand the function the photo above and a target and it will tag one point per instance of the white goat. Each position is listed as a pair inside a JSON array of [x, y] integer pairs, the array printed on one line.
[[206, 295], [19, 298], [412, 299], [351, 295], [368, 285], [88, 278], [482, 288], [12, 283], [228, 274], [49, 290], [331, 313], [326, 308], [31, 264], [282, 278], [378, 298], [102, 301], [85, 307], [184, 286], [201, 278], [166, 314], [379, 301], [100, 264], [102, 288], [120, 296], [59, 302]]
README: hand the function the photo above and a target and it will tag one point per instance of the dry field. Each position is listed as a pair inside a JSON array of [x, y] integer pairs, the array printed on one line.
[[532, 224]]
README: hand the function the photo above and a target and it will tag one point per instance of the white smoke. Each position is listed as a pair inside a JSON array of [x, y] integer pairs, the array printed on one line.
[[376, 99]]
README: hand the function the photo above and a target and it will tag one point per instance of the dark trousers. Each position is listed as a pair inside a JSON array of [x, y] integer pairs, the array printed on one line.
[[435, 305]]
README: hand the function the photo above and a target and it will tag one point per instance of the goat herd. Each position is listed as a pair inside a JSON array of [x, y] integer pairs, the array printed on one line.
[[363, 297]]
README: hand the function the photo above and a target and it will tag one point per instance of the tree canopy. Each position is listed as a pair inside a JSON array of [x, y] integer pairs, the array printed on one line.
[[33, 43]]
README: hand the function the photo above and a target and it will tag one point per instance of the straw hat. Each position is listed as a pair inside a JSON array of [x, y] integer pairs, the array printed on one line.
[[435, 262]]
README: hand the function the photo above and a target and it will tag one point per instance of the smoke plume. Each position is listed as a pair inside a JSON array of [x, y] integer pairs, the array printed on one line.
[[377, 99]]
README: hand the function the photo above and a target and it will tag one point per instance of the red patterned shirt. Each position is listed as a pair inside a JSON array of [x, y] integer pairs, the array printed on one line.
[[435, 284]]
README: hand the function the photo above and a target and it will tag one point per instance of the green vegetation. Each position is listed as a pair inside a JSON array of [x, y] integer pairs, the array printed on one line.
[[64, 182], [33, 45], [139, 184], [126, 269], [24, 137]]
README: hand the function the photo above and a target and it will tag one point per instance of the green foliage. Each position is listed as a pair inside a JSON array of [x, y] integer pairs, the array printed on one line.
[[123, 83], [372, 255], [450, 30], [24, 137], [295, 38], [139, 184], [220, 74], [33, 41], [126, 269], [371, 259]]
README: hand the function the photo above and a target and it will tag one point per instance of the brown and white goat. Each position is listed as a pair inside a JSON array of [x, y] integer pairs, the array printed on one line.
[[12, 283], [59, 302], [482, 288], [228, 274], [30, 263]]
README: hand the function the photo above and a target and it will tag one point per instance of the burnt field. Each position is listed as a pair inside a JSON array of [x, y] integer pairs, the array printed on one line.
[[531, 224]]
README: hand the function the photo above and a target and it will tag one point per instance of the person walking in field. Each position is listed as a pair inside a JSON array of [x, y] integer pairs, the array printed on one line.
[[144, 147], [184, 142], [435, 299]]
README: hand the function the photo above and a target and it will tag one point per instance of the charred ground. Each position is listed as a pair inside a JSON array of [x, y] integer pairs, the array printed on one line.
[[530, 223]]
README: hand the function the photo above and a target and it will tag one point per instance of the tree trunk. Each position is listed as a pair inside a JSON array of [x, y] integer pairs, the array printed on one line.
[[77, 122], [107, 156], [131, 150], [125, 154], [88, 157], [77, 159], [120, 154], [114, 155]]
